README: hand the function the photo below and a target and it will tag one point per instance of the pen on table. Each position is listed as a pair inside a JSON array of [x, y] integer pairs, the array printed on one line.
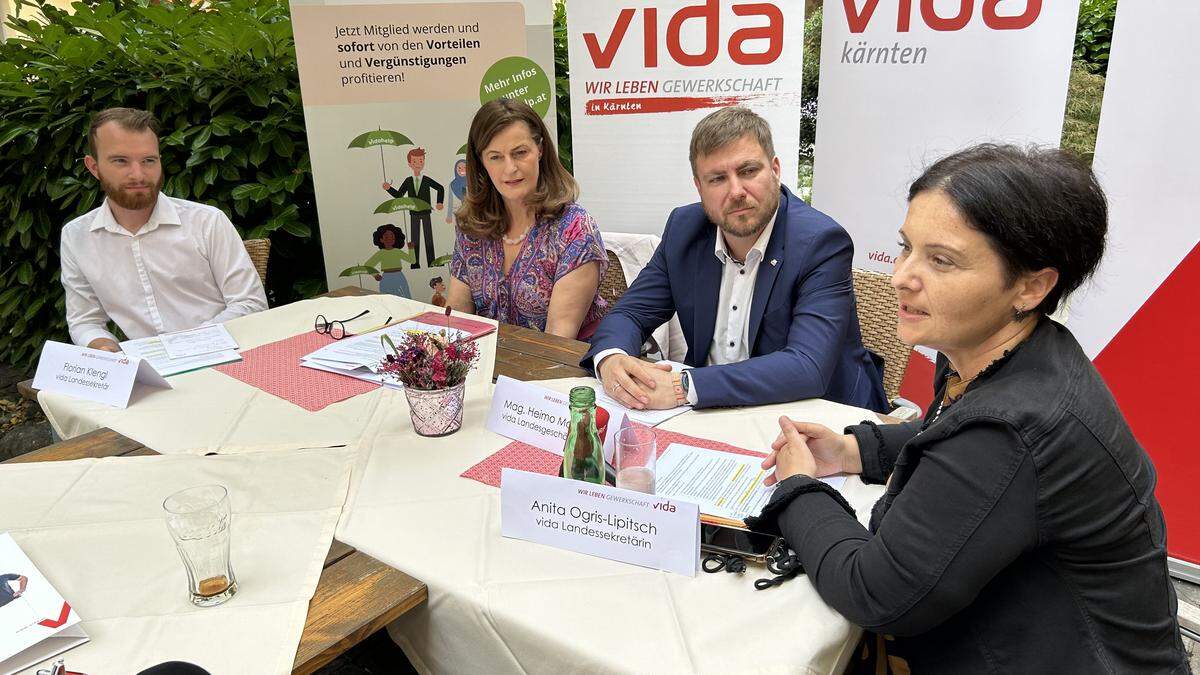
[[385, 325]]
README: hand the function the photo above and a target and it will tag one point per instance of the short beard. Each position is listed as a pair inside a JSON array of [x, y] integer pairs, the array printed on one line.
[[769, 208], [129, 200]]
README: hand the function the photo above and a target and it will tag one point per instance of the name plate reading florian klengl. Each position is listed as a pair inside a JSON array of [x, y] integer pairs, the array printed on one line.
[[603, 521], [93, 374]]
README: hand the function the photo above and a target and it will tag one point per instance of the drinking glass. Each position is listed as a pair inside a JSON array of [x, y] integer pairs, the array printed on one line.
[[636, 454], [198, 519]]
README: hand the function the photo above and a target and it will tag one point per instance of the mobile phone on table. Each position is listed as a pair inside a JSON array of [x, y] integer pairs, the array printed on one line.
[[753, 546]]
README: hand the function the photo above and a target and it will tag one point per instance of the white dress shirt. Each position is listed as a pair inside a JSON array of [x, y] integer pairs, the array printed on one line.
[[185, 267], [731, 339]]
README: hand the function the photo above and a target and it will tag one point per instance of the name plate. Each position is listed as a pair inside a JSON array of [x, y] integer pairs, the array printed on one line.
[[603, 521], [93, 374], [530, 414]]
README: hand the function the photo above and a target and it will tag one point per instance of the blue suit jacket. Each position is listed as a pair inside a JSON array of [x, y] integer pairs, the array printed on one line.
[[804, 336]]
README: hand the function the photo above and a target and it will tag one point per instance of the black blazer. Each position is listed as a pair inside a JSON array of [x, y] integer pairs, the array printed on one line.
[[427, 184], [1019, 532], [804, 336]]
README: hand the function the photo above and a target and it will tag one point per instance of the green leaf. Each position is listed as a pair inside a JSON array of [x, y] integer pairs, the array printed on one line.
[[298, 229], [201, 138], [258, 96], [25, 273]]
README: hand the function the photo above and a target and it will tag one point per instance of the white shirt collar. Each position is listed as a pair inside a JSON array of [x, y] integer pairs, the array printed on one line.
[[164, 213], [756, 252]]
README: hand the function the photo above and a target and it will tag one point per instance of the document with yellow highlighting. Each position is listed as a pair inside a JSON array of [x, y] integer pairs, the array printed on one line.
[[723, 484]]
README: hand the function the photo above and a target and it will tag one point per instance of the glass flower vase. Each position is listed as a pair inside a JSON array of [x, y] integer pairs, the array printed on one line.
[[436, 412]]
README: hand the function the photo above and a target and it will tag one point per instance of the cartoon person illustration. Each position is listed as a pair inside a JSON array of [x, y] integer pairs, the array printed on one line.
[[458, 188], [439, 291], [419, 187], [7, 592], [390, 259]]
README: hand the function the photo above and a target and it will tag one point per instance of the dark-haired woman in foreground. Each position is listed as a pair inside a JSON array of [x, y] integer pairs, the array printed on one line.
[[1019, 532]]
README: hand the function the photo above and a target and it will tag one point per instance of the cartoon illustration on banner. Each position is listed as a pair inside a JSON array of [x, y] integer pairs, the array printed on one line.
[[389, 91]]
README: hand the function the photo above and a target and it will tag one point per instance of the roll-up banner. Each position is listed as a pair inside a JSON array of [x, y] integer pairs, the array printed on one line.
[[643, 73], [389, 90], [905, 82], [1138, 318]]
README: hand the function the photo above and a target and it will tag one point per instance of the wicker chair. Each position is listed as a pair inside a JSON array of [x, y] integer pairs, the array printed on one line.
[[259, 250], [877, 319], [613, 284]]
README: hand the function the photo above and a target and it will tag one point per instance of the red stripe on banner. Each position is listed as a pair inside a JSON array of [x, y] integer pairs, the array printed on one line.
[[917, 385], [62, 618], [637, 106], [1151, 368]]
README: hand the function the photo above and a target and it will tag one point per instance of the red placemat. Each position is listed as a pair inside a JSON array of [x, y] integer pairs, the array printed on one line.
[[275, 368], [518, 455], [475, 328]]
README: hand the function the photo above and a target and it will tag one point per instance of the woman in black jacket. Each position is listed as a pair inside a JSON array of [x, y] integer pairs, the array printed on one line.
[[1019, 532]]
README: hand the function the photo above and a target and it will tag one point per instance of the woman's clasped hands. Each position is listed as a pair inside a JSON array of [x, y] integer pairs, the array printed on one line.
[[813, 450]]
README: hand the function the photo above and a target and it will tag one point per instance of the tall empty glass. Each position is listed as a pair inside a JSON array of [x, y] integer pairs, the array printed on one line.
[[636, 453], [199, 519]]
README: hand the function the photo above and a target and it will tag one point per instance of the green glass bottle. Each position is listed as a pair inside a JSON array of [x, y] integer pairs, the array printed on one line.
[[583, 454]]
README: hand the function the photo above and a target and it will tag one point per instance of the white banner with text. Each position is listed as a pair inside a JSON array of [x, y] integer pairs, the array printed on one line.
[[644, 73], [905, 82], [389, 91]]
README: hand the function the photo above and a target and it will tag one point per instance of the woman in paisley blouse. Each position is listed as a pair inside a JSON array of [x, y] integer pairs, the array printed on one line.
[[525, 253]]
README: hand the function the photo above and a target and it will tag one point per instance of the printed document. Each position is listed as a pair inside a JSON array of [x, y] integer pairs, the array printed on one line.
[[36, 623], [151, 350], [723, 484], [198, 341]]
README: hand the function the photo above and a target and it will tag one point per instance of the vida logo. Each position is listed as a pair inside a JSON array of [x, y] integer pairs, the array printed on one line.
[[709, 13], [859, 19], [665, 506]]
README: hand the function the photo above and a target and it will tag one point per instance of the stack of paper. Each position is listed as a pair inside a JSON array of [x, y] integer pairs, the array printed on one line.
[[182, 351], [723, 484], [359, 356], [35, 622]]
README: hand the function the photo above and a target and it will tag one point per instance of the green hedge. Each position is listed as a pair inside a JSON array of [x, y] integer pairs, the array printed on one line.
[[223, 82]]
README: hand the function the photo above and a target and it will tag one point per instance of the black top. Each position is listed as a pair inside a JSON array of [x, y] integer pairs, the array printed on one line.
[[1019, 532]]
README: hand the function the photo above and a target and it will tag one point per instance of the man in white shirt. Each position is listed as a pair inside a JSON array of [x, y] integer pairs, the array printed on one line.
[[151, 263], [762, 285]]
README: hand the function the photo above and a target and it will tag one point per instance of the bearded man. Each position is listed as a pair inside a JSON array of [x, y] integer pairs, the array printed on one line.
[[150, 263], [761, 282]]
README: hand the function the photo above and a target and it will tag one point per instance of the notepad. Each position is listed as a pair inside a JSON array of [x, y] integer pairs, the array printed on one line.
[[36, 623]]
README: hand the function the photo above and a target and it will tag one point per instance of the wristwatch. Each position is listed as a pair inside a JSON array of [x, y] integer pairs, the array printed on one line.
[[685, 386]]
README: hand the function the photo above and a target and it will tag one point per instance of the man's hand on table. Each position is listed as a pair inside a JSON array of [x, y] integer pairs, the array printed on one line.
[[637, 384], [812, 450], [104, 344]]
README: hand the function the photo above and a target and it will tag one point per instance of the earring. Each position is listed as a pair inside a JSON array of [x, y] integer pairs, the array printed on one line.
[[1019, 314]]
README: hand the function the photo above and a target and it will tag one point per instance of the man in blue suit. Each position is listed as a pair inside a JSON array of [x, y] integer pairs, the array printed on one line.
[[762, 285]]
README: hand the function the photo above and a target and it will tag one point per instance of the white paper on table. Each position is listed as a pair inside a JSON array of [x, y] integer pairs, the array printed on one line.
[[368, 349], [151, 350], [39, 623], [358, 372], [723, 484], [198, 341]]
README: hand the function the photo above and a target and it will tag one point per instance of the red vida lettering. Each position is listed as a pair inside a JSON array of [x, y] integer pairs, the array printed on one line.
[[859, 19], [708, 12]]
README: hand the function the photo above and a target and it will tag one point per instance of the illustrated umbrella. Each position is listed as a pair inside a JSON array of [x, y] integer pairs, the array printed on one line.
[[403, 204], [380, 138], [358, 270]]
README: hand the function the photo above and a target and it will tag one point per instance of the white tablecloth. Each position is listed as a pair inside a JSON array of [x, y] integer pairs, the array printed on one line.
[[208, 411], [96, 530], [501, 605]]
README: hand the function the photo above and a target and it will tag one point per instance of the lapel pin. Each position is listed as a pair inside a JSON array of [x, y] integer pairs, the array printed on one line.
[[773, 262]]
